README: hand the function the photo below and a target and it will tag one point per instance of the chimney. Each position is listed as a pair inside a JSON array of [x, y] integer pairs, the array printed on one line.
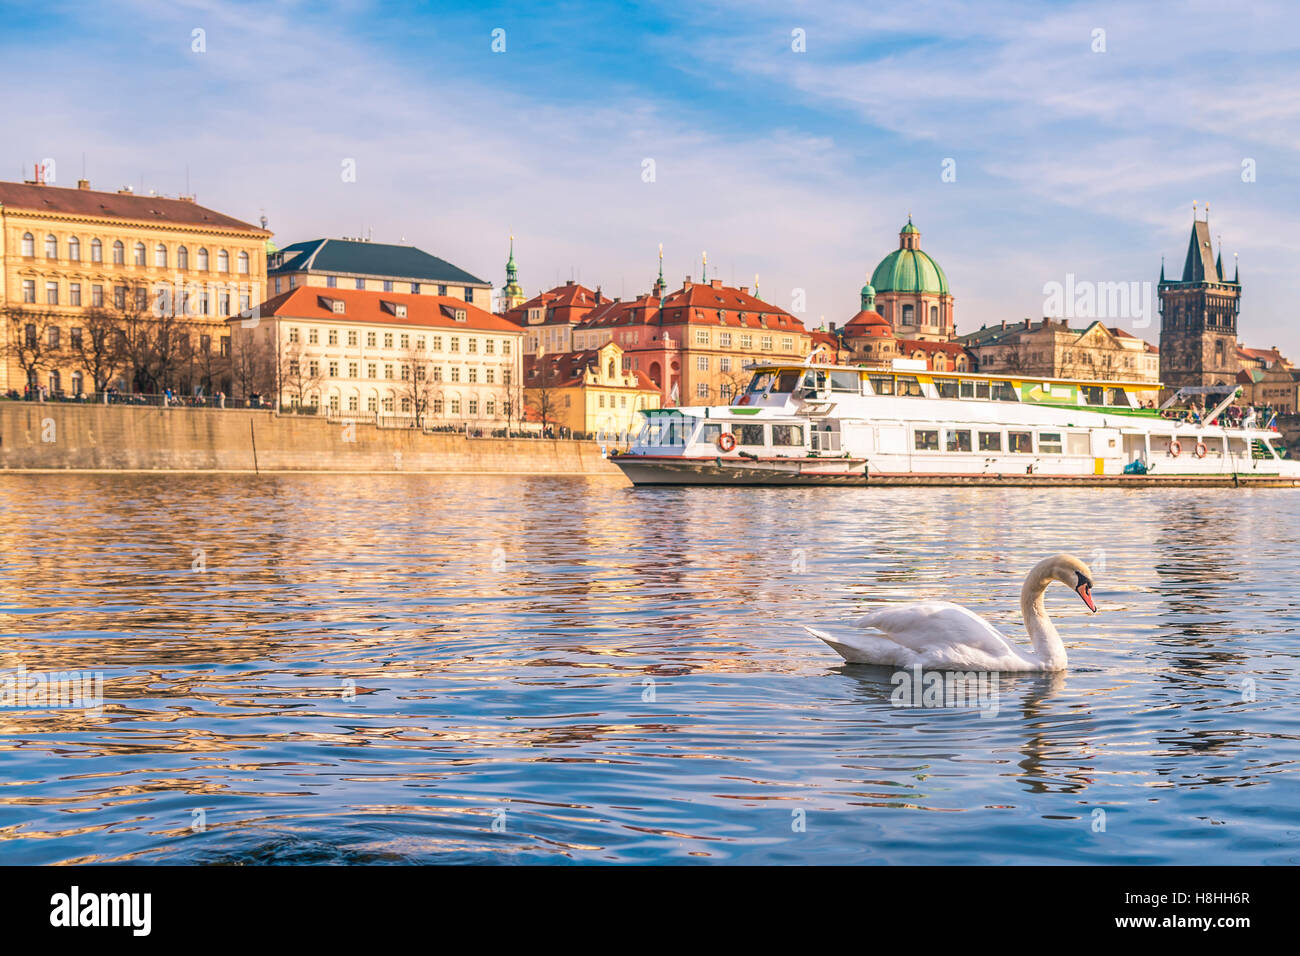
[[83, 183], [744, 290], [568, 282], [832, 328], [715, 283], [686, 284], [1004, 323]]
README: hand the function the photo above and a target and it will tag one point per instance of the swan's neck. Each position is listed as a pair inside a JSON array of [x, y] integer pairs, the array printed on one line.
[[1042, 633]]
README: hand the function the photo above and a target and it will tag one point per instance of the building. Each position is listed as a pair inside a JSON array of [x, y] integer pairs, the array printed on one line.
[[694, 343], [550, 318], [1051, 349], [436, 359], [512, 293], [1268, 380], [113, 289], [359, 264], [1198, 317], [911, 291], [588, 391]]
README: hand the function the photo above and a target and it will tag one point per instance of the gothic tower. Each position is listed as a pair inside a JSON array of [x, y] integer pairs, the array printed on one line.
[[1198, 317]]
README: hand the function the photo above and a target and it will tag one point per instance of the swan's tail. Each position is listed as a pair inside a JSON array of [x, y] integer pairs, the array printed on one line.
[[846, 651]]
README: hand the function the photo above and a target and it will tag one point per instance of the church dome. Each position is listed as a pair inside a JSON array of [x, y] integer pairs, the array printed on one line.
[[907, 268]]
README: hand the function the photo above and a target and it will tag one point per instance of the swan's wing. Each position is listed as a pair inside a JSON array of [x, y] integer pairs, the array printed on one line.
[[867, 649], [928, 626]]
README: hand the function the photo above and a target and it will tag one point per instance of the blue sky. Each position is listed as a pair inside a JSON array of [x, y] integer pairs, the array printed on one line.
[[796, 166]]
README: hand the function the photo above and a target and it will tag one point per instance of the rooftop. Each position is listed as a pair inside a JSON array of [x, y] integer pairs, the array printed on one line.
[[378, 260], [86, 202], [314, 302]]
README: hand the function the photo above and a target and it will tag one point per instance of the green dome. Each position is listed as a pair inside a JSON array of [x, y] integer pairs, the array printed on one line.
[[909, 270], [868, 290], [909, 228]]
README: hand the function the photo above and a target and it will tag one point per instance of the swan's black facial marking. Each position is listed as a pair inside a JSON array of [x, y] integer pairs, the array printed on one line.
[[1083, 587], [1081, 580]]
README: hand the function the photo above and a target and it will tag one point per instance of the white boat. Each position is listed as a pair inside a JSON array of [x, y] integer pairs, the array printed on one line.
[[817, 424]]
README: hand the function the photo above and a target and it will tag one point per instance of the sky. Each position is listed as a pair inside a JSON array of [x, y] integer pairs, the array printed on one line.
[[1030, 143]]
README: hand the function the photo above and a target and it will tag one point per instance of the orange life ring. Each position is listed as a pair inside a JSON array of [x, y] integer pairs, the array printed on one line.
[[727, 441], [1175, 448], [1201, 449]]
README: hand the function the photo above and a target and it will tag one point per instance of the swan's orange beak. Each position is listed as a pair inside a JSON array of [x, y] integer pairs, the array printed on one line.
[[1085, 592]]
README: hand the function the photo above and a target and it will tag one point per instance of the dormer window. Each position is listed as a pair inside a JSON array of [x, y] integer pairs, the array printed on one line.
[[337, 306], [461, 315], [399, 311]]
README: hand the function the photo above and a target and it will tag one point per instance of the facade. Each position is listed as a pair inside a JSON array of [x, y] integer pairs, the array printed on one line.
[[911, 291], [1198, 318], [868, 339], [436, 359], [1051, 349], [162, 275], [1268, 380], [550, 318], [693, 343], [361, 265], [588, 391]]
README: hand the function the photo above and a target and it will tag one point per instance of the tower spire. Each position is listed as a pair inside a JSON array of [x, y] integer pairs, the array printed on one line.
[[512, 294], [659, 283]]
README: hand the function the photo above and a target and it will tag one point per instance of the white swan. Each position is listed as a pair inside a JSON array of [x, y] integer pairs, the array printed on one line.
[[938, 635]]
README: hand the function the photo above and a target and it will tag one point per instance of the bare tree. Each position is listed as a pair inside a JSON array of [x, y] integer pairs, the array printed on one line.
[[512, 406], [27, 341], [97, 349], [296, 374], [252, 366], [417, 387], [542, 379]]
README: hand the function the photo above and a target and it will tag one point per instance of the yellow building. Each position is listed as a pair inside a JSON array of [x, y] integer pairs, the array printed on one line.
[[129, 262], [588, 391], [437, 360]]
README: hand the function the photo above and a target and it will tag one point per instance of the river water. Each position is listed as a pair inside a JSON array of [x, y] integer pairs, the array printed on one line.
[[371, 669]]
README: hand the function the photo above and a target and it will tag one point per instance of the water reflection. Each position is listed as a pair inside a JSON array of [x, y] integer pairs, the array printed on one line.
[[416, 668]]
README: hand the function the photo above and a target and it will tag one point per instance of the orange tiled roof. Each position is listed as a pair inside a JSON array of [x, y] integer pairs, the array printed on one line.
[[568, 369], [563, 305], [701, 303], [360, 305]]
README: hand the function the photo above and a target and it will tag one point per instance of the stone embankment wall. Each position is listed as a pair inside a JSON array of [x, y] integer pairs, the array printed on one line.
[[69, 437]]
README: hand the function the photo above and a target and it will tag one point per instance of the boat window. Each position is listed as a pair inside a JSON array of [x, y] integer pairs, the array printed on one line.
[[927, 440], [749, 434], [882, 384], [958, 440], [786, 381], [787, 435], [1093, 394], [981, 389], [1077, 443], [909, 386], [1022, 443], [1279, 447], [846, 382], [1214, 448], [1237, 446], [967, 389], [1003, 392], [947, 387], [990, 441], [759, 382], [1115, 396], [813, 378], [710, 432], [1049, 443]]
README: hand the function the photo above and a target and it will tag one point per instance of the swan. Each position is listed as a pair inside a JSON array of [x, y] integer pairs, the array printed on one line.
[[939, 635]]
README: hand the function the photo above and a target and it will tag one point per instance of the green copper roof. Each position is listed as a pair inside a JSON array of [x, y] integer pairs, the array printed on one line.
[[909, 270], [909, 227]]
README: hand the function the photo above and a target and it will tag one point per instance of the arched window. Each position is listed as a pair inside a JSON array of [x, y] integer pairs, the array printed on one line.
[[160, 256], [223, 261], [119, 253], [182, 258], [29, 245], [907, 314], [934, 315], [74, 249], [139, 254], [243, 263], [96, 251], [203, 260], [611, 368], [51, 247]]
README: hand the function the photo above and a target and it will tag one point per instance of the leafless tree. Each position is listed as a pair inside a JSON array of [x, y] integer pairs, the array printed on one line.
[[27, 342], [417, 386], [296, 374], [98, 348], [252, 366]]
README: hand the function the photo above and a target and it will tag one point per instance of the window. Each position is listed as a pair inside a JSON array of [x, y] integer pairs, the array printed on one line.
[[29, 291], [119, 297], [119, 253], [991, 441], [491, 376], [352, 337], [352, 370], [934, 315], [333, 336], [926, 439], [29, 246], [472, 344], [74, 293], [746, 341], [372, 370], [96, 251], [331, 282], [702, 390], [787, 344], [360, 283], [243, 263], [160, 256], [371, 339], [455, 344], [334, 369], [767, 342], [724, 340], [469, 294], [882, 384], [455, 373], [52, 337], [908, 313], [1049, 443], [461, 315], [203, 260], [787, 435], [415, 288], [74, 249], [749, 434], [223, 260], [139, 258], [947, 387], [1021, 443], [909, 386], [442, 290], [505, 347], [353, 403], [388, 340], [388, 285], [702, 363], [51, 293], [182, 258], [437, 373], [701, 337], [97, 296], [958, 440], [388, 370]]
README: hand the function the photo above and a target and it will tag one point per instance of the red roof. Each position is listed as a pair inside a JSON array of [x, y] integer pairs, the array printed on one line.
[[568, 368], [563, 305], [921, 345], [868, 323], [359, 305], [92, 202], [683, 304]]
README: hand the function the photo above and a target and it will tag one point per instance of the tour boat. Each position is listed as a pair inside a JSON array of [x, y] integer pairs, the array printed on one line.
[[818, 424]]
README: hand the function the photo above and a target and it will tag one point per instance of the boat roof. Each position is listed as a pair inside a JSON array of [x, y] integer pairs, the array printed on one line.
[[930, 373]]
